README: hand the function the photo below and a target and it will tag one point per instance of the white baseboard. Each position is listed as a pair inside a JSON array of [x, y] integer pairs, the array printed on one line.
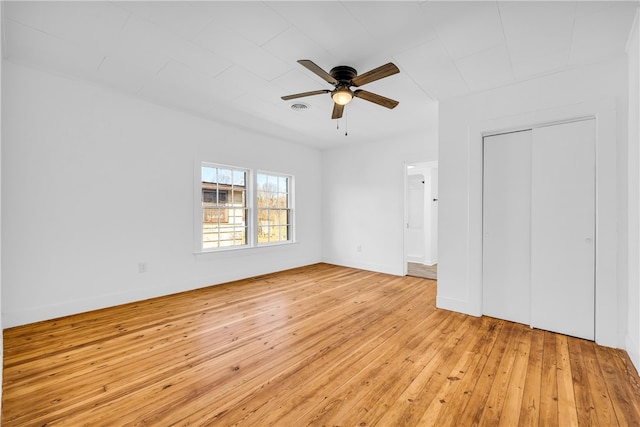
[[379, 268], [416, 259], [633, 349], [458, 306]]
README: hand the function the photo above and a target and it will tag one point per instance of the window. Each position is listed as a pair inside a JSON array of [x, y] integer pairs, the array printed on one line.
[[224, 206], [237, 208], [274, 211]]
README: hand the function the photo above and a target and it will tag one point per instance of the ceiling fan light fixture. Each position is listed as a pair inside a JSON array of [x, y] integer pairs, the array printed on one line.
[[342, 95]]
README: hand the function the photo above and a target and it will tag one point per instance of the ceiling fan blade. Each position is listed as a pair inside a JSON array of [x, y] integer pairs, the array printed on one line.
[[337, 111], [300, 95], [311, 66], [381, 72], [375, 98]]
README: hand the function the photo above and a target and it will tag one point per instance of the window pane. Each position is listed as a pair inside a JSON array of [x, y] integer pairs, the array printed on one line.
[[272, 183], [209, 174], [262, 199], [274, 217], [282, 184], [282, 200], [223, 207], [238, 178], [284, 217], [225, 176], [273, 208]]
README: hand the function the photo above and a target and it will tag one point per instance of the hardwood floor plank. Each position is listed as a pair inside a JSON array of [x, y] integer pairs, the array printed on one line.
[[317, 345], [549, 386], [567, 411], [513, 400], [585, 406], [530, 410]]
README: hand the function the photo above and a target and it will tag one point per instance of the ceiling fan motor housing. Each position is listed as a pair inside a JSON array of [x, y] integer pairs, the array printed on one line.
[[343, 73]]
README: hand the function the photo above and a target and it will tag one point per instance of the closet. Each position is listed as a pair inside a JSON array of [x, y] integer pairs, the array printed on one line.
[[539, 227]]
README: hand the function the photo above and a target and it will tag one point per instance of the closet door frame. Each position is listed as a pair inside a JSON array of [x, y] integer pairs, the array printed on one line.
[[609, 299]]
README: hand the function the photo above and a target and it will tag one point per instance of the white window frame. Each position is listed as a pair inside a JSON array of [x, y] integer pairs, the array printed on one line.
[[290, 207], [252, 211]]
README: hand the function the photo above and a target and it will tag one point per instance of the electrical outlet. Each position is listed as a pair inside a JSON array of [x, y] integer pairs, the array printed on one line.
[[142, 267], [359, 248]]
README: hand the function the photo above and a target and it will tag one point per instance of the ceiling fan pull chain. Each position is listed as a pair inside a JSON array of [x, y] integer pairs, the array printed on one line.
[[346, 123]]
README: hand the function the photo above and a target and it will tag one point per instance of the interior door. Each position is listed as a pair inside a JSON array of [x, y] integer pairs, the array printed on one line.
[[415, 242], [563, 229], [507, 226]]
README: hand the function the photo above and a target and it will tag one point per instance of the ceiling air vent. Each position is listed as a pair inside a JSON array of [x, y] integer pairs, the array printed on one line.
[[300, 106]]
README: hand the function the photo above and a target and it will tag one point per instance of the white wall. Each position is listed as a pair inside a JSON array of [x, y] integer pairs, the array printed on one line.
[[94, 182], [363, 199], [633, 328], [599, 90]]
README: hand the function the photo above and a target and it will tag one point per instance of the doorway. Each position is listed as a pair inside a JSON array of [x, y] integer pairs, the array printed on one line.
[[421, 219]]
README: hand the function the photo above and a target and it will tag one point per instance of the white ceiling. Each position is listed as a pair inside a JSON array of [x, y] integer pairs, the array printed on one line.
[[232, 61]]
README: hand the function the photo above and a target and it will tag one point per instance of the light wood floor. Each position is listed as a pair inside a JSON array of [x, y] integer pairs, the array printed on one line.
[[421, 270], [320, 345]]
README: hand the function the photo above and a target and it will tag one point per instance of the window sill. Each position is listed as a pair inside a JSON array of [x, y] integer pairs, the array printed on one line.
[[243, 248]]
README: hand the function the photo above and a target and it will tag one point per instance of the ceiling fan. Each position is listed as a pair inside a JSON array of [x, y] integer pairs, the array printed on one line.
[[342, 78]]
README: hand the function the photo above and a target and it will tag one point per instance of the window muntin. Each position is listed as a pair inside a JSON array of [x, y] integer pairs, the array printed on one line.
[[224, 206], [273, 205]]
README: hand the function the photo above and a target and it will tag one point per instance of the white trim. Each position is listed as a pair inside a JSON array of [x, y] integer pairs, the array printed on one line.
[[634, 29], [405, 218], [290, 205], [539, 125]]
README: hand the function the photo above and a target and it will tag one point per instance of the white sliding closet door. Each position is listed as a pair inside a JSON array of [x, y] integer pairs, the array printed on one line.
[[507, 226], [563, 229], [539, 227]]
